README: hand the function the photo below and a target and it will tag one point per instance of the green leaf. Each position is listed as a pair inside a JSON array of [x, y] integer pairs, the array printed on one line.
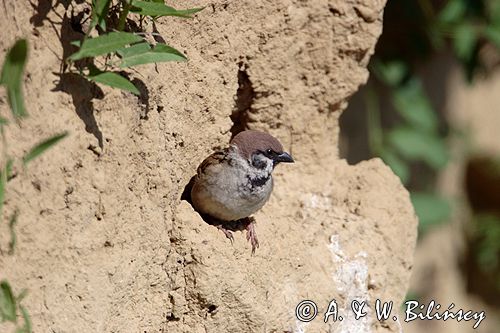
[[114, 80], [391, 73], [160, 53], [12, 76], [410, 295], [412, 104], [8, 167], [464, 42], [492, 32], [453, 11], [415, 145], [26, 318], [398, 166], [436, 35], [430, 208], [13, 237], [104, 44], [4, 177], [134, 50], [160, 9], [100, 10], [493, 11], [3, 183], [42, 147], [3, 122], [487, 234], [7, 303], [76, 43]]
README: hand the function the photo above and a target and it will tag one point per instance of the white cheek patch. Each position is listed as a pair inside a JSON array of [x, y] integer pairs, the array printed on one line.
[[262, 166]]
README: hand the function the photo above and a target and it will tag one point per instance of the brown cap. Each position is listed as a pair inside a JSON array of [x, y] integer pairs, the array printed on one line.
[[250, 141]]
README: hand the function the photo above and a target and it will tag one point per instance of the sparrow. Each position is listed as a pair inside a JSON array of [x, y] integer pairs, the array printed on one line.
[[235, 182]]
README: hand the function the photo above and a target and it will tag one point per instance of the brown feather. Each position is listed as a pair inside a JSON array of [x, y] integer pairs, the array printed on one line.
[[250, 141], [214, 158]]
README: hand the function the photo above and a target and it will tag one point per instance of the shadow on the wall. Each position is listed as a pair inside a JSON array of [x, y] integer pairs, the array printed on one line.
[[83, 92]]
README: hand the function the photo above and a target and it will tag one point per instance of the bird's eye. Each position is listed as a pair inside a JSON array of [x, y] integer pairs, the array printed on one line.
[[269, 151]]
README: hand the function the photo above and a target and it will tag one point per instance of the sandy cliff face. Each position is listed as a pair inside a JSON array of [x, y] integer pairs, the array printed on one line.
[[105, 243]]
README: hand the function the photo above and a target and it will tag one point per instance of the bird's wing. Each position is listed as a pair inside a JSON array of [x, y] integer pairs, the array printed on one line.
[[214, 159]]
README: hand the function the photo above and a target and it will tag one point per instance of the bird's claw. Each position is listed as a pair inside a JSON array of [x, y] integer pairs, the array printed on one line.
[[249, 225], [226, 232], [252, 236]]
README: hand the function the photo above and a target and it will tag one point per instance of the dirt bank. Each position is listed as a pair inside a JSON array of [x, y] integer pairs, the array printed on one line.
[[105, 243]]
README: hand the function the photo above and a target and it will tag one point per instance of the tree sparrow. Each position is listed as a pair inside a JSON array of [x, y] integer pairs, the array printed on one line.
[[235, 182]]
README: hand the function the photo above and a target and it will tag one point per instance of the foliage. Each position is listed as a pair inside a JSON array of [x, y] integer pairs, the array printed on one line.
[[415, 137], [41, 147], [482, 263], [11, 78], [487, 232], [412, 140], [469, 24], [122, 49], [10, 305], [413, 31]]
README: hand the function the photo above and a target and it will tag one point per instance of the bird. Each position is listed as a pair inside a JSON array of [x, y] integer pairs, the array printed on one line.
[[235, 182]]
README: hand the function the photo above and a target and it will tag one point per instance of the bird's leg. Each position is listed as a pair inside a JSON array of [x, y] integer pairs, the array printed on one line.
[[226, 232], [219, 224], [251, 234]]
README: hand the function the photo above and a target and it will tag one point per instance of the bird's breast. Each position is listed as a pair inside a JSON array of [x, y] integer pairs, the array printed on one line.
[[230, 192]]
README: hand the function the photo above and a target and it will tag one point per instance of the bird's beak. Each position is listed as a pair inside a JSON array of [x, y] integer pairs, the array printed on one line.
[[284, 157]]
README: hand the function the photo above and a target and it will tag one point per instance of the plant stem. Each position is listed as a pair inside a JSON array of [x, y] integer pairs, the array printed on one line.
[[123, 15]]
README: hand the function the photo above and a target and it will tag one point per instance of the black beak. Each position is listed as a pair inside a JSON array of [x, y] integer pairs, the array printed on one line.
[[283, 157]]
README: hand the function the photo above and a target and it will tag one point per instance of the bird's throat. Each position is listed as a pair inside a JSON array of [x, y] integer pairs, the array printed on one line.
[[258, 181]]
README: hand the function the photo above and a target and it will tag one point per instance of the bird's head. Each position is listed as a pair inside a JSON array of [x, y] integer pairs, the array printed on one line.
[[260, 148]]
